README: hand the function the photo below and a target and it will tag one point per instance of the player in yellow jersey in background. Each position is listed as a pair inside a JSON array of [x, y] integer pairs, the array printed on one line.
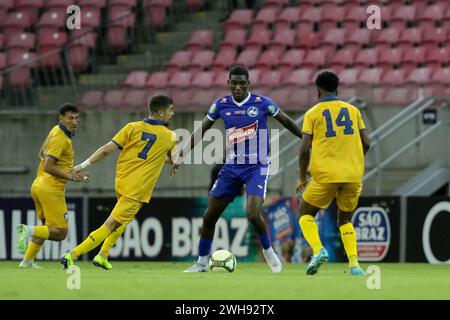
[[145, 146], [335, 138], [48, 189]]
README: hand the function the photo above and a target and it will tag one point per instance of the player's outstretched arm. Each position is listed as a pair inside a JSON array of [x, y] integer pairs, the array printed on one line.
[[195, 138], [51, 168], [288, 123], [365, 140], [303, 161], [98, 155]]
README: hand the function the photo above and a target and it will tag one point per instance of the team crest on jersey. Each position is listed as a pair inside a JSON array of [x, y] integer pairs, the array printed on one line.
[[240, 134], [373, 233], [213, 108], [252, 112]]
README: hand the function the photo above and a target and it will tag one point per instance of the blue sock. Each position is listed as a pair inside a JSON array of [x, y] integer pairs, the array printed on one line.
[[204, 247], [265, 241]]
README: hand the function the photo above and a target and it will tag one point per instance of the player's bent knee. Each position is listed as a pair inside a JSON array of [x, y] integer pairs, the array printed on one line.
[[59, 234]]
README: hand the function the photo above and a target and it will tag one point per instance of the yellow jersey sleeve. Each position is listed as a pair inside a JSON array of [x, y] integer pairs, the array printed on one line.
[[121, 138], [361, 124], [55, 147], [307, 123]]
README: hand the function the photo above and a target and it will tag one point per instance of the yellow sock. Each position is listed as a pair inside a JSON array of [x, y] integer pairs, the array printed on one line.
[[92, 241], [32, 251], [110, 241], [348, 236], [41, 232], [311, 232]]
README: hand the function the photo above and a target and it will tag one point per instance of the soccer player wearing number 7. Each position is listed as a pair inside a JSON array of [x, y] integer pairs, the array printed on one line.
[[48, 189], [145, 146], [335, 141]]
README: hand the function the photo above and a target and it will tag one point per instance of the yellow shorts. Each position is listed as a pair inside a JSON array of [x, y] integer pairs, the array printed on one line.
[[50, 205], [125, 209], [321, 194]]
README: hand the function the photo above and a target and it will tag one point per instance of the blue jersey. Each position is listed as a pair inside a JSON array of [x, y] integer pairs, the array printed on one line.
[[248, 140]]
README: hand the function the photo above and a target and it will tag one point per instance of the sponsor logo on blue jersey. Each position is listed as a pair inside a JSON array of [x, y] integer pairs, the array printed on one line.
[[373, 233]]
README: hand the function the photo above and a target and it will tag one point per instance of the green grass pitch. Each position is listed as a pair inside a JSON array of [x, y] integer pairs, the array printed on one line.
[[250, 281]]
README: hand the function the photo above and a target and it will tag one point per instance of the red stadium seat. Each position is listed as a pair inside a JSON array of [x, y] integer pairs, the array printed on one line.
[[431, 16], [92, 3], [410, 37], [354, 18], [23, 40], [179, 60], [239, 19], [2, 60], [342, 59], [123, 3], [195, 5], [90, 18], [31, 7], [114, 98], [309, 41], [437, 57], [20, 56], [299, 99], [402, 16], [220, 80], [268, 59], [91, 99], [446, 19], [419, 76], [299, 78], [180, 79], [433, 37], [248, 57], [235, 38], [291, 60], [283, 39], [201, 99], [6, 4], [366, 58], [358, 38], [387, 38], [201, 60], [314, 59], [203, 79], [58, 4], [308, 18], [254, 76], [393, 77], [280, 96], [441, 75], [15, 22], [181, 98], [412, 58], [19, 78], [265, 18], [121, 16], [287, 19], [158, 80], [270, 78], [78, 57], [117, 37], [333, 39], [224, 59], [330, 18], [275, 3], [390, 58], [81, 37], [50, 42], [136, 80], [399, 96], [135, 98], [259, 38], [370, 76], [200, 40], [348, 77]]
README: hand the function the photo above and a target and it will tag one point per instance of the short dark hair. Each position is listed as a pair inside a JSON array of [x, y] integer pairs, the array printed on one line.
[[327, 81], [68, 107], [238, 71], [159, 102]]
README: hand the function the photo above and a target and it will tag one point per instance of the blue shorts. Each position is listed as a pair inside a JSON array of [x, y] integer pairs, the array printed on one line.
[[232, 177]]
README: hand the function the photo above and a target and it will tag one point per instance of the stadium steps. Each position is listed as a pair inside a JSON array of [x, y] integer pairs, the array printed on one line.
[[391, 180]]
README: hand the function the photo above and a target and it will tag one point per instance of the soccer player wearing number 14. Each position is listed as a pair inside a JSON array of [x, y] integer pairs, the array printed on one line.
[[146, 145], [335, 136]]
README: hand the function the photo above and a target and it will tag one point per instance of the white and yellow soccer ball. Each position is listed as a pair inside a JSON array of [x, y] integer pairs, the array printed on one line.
[[222, 260]]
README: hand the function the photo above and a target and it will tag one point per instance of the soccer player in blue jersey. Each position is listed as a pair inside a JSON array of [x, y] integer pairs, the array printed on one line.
[[247, 161]]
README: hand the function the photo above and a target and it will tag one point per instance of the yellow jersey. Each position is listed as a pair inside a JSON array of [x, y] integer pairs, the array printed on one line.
[[57, 145], [145, 145], [336, 152]]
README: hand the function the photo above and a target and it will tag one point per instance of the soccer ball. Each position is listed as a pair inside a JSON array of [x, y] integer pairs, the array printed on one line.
[[222, 260]]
